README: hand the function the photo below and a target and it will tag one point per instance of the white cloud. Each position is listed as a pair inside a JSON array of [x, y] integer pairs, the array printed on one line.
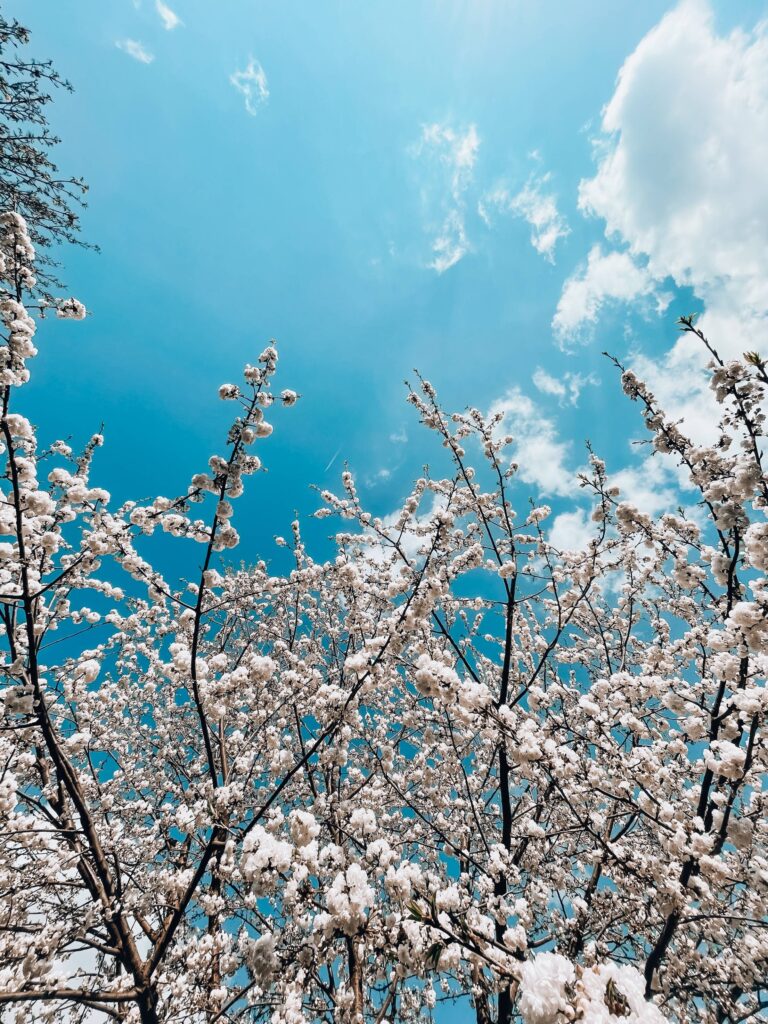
[[681, 183], [169, 18], [567, 388], [381, 476], [535, 204], [452, 156], [572, 531], [411, 540], [606, 277], [252, 83], [136, 50], [548, 384], [652, 486], [682, 179], [451, 244], [538, 450]]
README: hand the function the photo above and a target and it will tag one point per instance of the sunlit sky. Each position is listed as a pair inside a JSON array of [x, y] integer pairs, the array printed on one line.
[[491, 191]]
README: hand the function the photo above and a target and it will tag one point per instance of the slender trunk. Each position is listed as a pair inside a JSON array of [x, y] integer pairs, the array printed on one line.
[[213, 924], [500, 887], [482, 1010], [355, 978]]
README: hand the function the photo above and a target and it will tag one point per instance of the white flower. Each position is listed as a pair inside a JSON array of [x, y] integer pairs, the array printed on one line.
[[543, 998], [70, 309]]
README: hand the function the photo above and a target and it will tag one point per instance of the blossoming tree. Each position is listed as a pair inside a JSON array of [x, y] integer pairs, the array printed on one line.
[[30, 181], [450, 762]]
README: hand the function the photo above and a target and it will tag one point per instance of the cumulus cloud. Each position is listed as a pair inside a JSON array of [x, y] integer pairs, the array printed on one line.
[[169, 18], [682, 179], [654, 485], [451, 156], [545, 461], [536, 204], [681, 186], [252, 83], [136, 50], [607, 277], [572, 531], [541, 455]]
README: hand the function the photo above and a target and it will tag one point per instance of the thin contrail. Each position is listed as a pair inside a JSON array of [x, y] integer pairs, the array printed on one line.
[[333, 459]]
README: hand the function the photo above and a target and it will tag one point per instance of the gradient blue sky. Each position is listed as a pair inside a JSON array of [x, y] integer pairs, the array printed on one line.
[[313, 216]]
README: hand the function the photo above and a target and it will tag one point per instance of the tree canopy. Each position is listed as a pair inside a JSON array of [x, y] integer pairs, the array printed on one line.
[[454, 761]]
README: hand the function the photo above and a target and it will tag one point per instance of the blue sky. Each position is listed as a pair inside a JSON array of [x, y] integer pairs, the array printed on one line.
[[365, 183]]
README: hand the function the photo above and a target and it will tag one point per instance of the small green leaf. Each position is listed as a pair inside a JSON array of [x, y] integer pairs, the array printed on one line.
[[434, 953], [416, 911]]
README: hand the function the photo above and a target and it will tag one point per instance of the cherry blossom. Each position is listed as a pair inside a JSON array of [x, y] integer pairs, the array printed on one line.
[[450, 761]]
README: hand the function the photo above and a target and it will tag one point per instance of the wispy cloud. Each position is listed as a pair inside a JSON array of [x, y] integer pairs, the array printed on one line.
[[566, 388], [381, 476], [252, 83], [451, 244], [536, 204], [136, 50], [169, 18], [452, 155]]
